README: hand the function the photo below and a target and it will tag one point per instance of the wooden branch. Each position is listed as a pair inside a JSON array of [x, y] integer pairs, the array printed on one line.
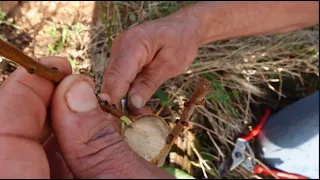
[[114, 111], [198, 98], [52, 74], [33, 67]]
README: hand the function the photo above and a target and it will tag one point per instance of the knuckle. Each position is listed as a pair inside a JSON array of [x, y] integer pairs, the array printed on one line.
[[130, 37], [149, 83], [111, 75], [166, 31], [135, 33], [133, 44]]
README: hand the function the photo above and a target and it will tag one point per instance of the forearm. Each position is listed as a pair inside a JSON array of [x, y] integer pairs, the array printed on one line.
[[226, 20]]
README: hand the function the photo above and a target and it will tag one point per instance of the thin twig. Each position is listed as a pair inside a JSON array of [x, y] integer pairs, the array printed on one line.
[[115, 4], [34, 67], [280, 86], [200, 159], [104, 19], [160, 110], [198, 98], [140, 12], [216, 145], [248, 105], [199, 166], [171, 97]]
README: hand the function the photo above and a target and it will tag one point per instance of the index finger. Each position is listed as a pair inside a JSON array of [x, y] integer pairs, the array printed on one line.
[[129, 53], [24, 98]]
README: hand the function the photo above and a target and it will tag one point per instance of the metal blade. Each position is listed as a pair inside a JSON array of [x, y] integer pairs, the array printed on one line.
[[124, 105], [238, 155]]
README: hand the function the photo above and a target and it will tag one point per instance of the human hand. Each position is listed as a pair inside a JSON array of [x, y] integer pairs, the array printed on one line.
[[145, 56], [85, 136], [24, 100]]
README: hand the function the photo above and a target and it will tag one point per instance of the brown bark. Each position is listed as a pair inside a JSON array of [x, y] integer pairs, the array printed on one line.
[[198, 98], [52, 74]]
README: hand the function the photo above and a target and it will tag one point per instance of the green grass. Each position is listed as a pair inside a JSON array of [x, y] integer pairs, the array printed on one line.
[[177, 173], [221, 95], [61, 35], [7, 20], [73, 61], [162, 95]]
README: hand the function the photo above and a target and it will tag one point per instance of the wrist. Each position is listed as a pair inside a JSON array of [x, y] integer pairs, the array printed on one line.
[[193, 27], [226, 20], [201, 18]]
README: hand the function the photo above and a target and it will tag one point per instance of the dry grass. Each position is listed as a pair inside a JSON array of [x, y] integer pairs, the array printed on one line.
[[248, 74], [245, 70]]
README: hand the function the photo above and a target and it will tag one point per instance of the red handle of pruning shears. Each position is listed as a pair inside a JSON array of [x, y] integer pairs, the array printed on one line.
[[260, 169], [256, 130], [282, 175]]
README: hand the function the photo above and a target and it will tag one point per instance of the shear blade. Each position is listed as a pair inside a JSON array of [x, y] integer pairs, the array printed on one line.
[[238, 155], [238, 158]]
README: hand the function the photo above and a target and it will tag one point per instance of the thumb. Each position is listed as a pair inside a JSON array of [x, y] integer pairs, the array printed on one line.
[[89, 141], [80, 126]]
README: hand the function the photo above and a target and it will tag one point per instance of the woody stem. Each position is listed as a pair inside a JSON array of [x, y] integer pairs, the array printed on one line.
[[33, 67]]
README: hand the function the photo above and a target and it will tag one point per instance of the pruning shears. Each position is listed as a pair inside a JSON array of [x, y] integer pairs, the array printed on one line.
[[243, 155]]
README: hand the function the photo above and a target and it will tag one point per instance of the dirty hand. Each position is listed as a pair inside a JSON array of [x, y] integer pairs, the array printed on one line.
[[145, 56], [87, 141]]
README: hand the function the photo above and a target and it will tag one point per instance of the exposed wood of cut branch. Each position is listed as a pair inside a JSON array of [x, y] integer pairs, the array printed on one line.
[[114, 111], [34, 67]]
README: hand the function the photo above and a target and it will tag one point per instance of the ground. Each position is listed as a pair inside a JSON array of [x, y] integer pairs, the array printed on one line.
[[248, 74]]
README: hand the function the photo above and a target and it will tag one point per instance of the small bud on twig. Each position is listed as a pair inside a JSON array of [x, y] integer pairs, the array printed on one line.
[[198, 98], [52, 74]]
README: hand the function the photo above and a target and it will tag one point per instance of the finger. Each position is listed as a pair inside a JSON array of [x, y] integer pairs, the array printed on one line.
[[143, 110], [130, 52], [58, 167], [88, 139], [22, 158], [82, 129], [24, 98], [150, 79]]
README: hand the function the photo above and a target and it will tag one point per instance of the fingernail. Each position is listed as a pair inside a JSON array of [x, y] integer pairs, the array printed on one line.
[[104, 97], [136, 100], [81, 97]]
